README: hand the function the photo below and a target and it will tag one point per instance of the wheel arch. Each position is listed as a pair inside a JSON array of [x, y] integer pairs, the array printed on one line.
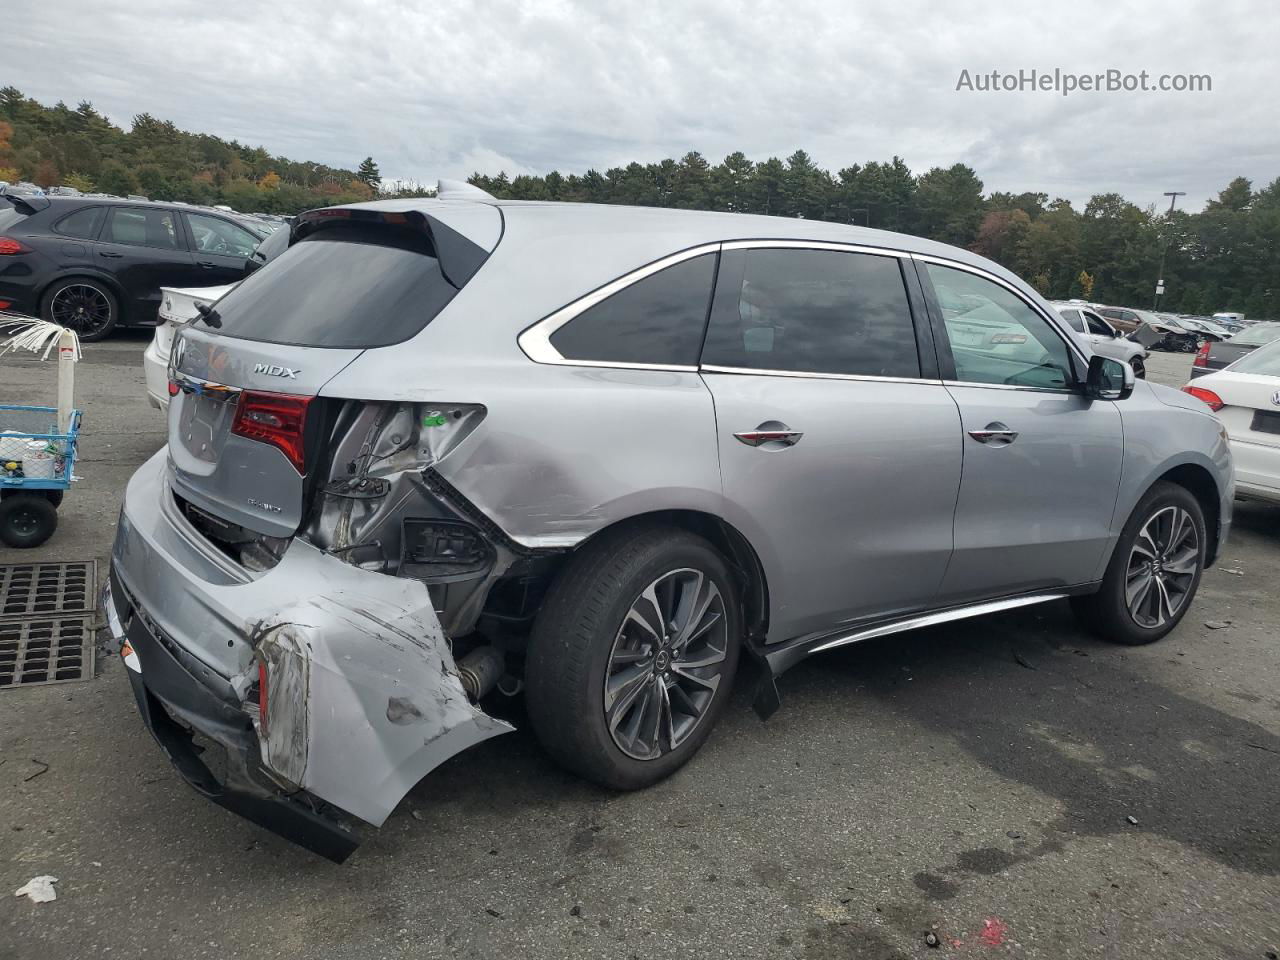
[[1199, 482], [733, 545], [88, 273]]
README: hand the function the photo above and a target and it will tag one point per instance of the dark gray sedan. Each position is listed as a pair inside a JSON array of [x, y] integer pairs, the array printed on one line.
[[1214, 355]]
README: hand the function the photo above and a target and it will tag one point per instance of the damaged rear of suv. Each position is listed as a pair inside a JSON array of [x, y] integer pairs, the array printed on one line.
[[446, 450]]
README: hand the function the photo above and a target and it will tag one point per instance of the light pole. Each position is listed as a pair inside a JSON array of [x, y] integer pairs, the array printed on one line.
[[866, 214], [1173, 196]]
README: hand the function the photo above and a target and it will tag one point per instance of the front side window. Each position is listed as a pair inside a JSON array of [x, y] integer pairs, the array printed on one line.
[[1097, 324], [83, 224], [658, 320], [140, 227], [817, 311], [215, 235], [995, 335]]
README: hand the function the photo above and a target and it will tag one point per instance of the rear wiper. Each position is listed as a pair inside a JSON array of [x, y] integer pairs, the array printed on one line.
[[209, 315]]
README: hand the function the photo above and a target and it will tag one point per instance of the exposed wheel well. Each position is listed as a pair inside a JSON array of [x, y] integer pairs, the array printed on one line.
[[735, 547], [1201, 485]]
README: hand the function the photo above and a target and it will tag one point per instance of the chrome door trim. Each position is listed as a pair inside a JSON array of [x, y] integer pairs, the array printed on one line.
[[833, 246], [933, 619], [535, 341], [762, 372], [1010, 386]]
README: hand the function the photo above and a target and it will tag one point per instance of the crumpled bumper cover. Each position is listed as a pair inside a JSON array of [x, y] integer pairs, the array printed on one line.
[[363, 694]]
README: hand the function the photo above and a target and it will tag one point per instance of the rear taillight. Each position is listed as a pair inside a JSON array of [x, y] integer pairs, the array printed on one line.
[[1202, 356], [1208, 396], [10, 246], [274, 418], [262, 696], [5, 304]]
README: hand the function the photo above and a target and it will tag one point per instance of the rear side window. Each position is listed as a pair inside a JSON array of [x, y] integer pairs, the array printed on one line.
[[83, 224], [1097, 325], [215, 235], [816, 311], [350, 286], [657, 320], [140, 227], [1073, 320]]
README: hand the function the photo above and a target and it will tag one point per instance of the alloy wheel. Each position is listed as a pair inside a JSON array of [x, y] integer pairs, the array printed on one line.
[[666, 664], [1162, 567], [82, 307]]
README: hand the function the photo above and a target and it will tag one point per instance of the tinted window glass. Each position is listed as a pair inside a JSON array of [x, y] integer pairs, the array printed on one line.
[[342, 287], [83, 223], [215, 235], [659, 319], [1097, 325], [995, 336], [1073, 318], [142, 228], [817, 311]]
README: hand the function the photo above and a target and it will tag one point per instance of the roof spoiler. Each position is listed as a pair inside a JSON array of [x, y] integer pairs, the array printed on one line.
[[27, 204], [460, 190]]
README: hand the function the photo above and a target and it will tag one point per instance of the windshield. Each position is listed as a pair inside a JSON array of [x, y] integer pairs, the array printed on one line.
[[1264, 361], [1257, 335], [350, 286]]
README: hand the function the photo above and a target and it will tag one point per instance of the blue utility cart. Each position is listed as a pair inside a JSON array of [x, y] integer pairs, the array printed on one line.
[[36, 464]]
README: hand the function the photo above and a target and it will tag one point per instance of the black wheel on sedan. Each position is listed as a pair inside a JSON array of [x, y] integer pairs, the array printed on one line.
[[1155, 570], [633, 655], [85, 306], [1139, 368]]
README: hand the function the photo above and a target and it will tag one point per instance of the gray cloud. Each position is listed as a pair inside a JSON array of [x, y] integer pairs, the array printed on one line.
[[451, 87]]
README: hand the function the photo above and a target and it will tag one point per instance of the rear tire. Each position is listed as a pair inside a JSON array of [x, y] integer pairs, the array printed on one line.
[[86, 306], [618, 703], [1139, 368], [1154, 572], [27, 520]]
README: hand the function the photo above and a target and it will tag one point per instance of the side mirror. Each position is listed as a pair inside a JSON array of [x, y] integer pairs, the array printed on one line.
[[251, 264], [1108, 379], [1116, 334]]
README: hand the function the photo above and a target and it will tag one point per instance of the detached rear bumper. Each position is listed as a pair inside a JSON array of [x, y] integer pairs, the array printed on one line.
[[173, 703], [363, 699]]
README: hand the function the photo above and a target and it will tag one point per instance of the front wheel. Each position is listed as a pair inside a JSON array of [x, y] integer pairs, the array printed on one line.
[[1139, 368], [633, 655], [1155, 570]]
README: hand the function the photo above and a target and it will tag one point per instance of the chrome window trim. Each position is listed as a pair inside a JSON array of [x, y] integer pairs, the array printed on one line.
[[833, 246], [1008, 386], [988, 275], [535, 341], [762, 372]]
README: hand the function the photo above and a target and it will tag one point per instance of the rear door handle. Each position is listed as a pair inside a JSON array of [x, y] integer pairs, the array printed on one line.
[[112, 256], [770, 432], [996, 434], [206, 264]]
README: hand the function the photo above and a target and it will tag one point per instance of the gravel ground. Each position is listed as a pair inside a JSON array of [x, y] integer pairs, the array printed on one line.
[[1009, 783]]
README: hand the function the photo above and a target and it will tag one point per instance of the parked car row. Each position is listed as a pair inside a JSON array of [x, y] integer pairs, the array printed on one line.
[[94, 264]]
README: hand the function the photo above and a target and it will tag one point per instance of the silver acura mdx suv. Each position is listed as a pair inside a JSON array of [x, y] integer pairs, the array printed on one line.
[[446, 450]]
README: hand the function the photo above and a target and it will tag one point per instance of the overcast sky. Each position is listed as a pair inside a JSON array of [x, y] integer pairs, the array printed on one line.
[[446, 88]]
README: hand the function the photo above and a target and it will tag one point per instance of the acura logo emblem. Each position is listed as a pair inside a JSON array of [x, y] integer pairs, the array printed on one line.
[[1275, 398]]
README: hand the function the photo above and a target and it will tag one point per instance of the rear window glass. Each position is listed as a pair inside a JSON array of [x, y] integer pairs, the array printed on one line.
[[1265, 362], [350, 287], [1256, 336], [83, 224], [9, 215]]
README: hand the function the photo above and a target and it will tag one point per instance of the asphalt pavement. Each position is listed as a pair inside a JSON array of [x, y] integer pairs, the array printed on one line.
[[1009, 784]]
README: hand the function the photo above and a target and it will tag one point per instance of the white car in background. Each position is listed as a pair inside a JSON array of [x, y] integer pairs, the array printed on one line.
[[181, 305], [1102, 338], [1246, 398]]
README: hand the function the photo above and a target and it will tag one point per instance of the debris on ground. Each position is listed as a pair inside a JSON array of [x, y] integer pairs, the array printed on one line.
[[576, 910], [1133, 821], [417, 815], [1013, 834], [38, 889], [1218, 624], [1234, 572], [44, 769], [1022, 661], [931, 940], [993, 932]]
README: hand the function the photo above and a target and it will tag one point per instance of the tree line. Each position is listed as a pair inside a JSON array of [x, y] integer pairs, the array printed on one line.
[[1226, 256]]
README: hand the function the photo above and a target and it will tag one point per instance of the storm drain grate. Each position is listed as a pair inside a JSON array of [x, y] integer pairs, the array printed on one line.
[[46, 589], [49, 650]]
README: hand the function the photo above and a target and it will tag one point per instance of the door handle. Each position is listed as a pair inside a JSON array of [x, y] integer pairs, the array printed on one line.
[[996, 434], [771, 431], [206, 264], [112, 256]]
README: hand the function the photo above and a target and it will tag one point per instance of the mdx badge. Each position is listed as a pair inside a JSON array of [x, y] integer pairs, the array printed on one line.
[[275, 370], [269, 507]]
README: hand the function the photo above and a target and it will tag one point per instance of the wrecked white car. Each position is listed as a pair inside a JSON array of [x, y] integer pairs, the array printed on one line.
[[442, 451]]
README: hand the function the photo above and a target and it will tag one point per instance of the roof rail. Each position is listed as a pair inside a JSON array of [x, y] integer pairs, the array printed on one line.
[[460, 190]]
